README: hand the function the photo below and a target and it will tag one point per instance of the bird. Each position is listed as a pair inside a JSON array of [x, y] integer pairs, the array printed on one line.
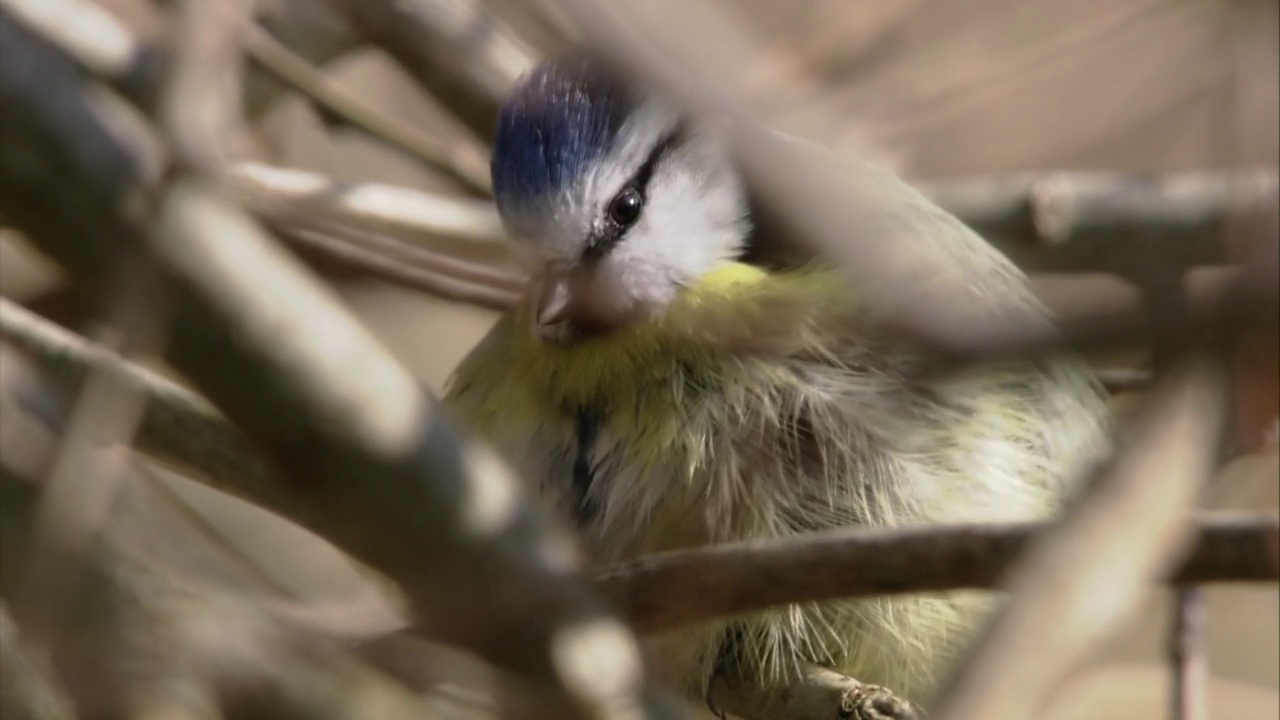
[[673, 379]]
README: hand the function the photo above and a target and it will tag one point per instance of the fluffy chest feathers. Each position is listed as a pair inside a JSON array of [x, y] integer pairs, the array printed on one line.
[[665, 393], [756, 407]]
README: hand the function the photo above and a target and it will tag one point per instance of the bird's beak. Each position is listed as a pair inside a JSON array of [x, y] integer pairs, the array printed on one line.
[[554, 296], [571, 301]]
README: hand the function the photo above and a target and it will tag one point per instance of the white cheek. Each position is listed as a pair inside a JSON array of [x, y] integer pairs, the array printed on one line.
[[692, 225]]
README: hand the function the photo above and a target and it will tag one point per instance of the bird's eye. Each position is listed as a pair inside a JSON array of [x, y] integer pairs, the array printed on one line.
[[626, 206]]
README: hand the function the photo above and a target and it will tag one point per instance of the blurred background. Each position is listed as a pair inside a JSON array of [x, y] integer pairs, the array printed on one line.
[[937, 90]]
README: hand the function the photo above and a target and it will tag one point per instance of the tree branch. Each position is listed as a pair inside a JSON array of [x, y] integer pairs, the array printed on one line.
[[369, 206], [371, 463], [460, 160], [455, 49], [664, 591], [1124, 533], [1190, 698], [1111, 221], [28, 690], [336, 246]]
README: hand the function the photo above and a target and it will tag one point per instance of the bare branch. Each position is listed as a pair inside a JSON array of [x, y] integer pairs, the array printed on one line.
[[461, 160], [201, 104], [665, 591], [335, 245], [311, 30], [455, 49], [139, 642], [1187, 655], [1113, 217], [28, 690], [372, 464], [1126, 532], [178, 426], [837, 206], [1117, 222], [83, 480], [370, 206]]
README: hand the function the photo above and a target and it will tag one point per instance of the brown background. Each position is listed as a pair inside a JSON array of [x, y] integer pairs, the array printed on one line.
[[938, 89]]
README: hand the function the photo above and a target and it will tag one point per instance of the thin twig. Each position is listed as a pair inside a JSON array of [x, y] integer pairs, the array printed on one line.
[[897, 247], [368, 205], [84, 478], [309, 29], [178, 426], [418, 256], [201, 104], [1117, 380], [155, 585], [28, 690], [1130, 528], [371, 462], [457, 159], [330, 245], [664, 591], [456, 49], [1187, 656], [109, 49], [1114, 221]]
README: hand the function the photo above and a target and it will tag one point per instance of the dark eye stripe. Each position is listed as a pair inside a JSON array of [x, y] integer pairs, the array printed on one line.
[[644, 173], [609, 233]]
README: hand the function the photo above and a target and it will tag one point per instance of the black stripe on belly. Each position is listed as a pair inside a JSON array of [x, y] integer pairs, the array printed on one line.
[[588, 422]]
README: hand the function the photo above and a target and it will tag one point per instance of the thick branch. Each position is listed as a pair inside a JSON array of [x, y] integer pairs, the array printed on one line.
[[372, 464], [663, 592]]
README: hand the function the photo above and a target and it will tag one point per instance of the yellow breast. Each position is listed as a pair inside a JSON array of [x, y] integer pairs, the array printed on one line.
[[724, 335]]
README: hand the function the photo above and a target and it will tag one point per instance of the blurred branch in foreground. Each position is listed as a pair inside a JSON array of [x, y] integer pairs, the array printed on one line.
[[370, 463], [157, 604], [1124, 533], [1187, 655], [460, 160], [456, 50], [908, 286], [667, 590], [368, 206]]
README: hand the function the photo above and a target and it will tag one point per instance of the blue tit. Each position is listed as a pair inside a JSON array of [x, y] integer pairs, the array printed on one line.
[[673, 381]]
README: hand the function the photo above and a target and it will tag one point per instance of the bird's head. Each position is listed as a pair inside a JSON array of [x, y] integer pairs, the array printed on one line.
[[617, 199]]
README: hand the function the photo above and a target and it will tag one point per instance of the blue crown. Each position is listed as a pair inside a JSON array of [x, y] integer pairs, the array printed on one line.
[[560, 118]]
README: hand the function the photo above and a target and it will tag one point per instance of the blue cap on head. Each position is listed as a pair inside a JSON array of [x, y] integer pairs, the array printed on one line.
[[561, 117]]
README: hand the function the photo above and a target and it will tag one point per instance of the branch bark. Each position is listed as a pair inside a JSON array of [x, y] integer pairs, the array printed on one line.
[[1124, 533], [370, 462], [455, 49], [665, 591]]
